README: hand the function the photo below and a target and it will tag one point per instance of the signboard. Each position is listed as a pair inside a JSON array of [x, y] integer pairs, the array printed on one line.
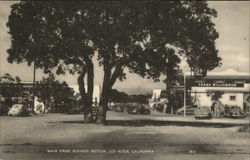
[[203, 84]]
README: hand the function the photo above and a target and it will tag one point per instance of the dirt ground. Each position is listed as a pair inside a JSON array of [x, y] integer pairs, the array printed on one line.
[[61, 136]]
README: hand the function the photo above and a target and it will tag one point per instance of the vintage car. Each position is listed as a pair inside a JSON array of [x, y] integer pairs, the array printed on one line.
[[161, 106], [75, 110], [138, 110], [189, 110], [18, 110], [234, 112], [117, 107], [203, 112], [73, 107]]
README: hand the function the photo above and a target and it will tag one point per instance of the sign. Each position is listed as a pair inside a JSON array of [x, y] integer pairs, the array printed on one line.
[[203, 84]]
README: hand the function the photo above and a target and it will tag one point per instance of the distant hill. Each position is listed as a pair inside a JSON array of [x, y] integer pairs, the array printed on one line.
[[136, 91], [129, 91]]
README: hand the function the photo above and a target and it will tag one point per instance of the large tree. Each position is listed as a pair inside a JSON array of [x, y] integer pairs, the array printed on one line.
[[51, 35], [135, 35], [140, 36]]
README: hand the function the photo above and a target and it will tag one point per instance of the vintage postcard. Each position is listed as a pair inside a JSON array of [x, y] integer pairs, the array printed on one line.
[[120, 80]]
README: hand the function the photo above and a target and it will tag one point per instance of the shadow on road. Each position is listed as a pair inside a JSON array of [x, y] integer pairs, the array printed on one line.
[[142, 123]]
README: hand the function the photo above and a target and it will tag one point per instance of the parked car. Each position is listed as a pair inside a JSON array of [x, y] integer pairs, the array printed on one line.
[[138, 110], [234, 112], [203, 112], [118, 107], [18, 110], [72, 106], [189, 110], [75, 110]]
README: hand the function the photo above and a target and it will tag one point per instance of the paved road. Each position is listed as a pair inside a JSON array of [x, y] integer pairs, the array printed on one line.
[[59, 136]]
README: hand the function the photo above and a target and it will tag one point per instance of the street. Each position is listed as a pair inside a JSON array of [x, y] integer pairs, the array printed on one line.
[[61, 136]]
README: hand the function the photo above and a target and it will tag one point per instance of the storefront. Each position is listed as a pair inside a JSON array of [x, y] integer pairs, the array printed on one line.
[[231, 90]]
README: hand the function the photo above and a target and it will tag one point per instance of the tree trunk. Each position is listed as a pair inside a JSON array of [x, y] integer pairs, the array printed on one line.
[[101, 118], [106, 87], [86, 96], [108, 82], [90, 86], [169, 91]]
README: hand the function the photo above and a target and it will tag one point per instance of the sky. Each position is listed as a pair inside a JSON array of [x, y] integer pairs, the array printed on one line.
[[232, 24]]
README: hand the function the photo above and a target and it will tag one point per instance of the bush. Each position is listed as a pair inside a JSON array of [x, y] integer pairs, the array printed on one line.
[[4, 109]]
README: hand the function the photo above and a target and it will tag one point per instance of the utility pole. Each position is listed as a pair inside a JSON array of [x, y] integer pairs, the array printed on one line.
[[34, 80], [185, 88], [167, 88]]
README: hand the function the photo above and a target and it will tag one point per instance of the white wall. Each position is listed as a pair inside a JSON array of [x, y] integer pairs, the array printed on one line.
[[96, 93], [156, 93], [204, 100], [237, 102]]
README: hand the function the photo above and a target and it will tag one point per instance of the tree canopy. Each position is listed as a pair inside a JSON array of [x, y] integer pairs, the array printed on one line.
[[134, 35]]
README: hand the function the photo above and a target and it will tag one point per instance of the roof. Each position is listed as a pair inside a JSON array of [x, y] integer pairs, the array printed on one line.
[[229, 74], [229, 77]]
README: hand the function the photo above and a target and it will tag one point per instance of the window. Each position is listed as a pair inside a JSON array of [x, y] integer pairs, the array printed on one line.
[[232, 98]]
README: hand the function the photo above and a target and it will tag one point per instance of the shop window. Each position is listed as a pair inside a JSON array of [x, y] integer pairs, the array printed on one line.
[[232, 98]]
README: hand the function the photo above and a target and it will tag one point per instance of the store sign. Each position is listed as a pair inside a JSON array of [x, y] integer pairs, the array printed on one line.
[[219, 84]]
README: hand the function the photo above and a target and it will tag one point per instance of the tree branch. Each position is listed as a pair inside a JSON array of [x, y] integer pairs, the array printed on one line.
[[73, 61], [117, 72], [80, 81]]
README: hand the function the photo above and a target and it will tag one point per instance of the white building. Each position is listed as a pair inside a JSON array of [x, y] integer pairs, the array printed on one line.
[[156, 94], [96, 92], [234, 86]]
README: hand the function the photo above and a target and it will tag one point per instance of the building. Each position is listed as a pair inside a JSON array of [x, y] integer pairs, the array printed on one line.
[[96, 92], [156, 94], [159, 96], [23, 89], [233, 86]]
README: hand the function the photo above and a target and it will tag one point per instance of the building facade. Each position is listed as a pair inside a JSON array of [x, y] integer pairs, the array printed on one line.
[[231, 89]]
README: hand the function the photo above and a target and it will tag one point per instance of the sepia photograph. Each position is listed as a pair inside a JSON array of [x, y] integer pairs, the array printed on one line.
[[124, 80]]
